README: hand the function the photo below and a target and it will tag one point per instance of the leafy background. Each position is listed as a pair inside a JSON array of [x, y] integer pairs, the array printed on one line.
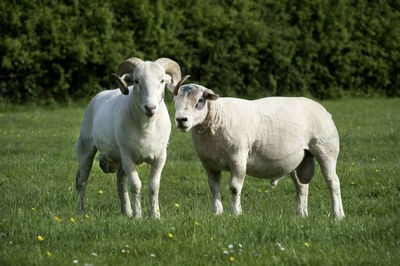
[[65, 50]]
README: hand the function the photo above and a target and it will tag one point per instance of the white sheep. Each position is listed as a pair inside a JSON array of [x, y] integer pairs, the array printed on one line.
[[129, 126], [270, 137]]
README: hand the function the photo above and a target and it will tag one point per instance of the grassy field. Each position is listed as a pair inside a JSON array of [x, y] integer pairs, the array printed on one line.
[[39, 226]]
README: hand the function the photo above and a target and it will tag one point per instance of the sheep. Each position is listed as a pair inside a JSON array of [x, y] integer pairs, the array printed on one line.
[[128, 126], [269, 137]]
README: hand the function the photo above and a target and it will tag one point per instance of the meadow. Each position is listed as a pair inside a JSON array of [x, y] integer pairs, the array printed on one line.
[[39, 224]]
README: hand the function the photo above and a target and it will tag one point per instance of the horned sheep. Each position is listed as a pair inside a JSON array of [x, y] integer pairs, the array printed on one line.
[[129, 126], [269, 137]]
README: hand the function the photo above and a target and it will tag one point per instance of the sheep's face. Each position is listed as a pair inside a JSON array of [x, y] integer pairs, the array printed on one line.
[[149, 80], [191, 106]]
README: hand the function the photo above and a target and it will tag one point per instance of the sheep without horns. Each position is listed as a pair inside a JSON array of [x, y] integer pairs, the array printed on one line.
[[270, 137], [129, 126]]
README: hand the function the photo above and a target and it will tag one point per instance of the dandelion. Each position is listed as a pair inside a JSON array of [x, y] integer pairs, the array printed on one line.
[[72, 220], [353, 183], [100, 191], [128, 251], [259, 190], [211, 238], [48, 253], [33, 209], [87, 216], [41, 238], [273, 187], [377, 170], [170, 235], [353, 164], [229, 215], [266, 191], [373, 159], [42, 159], [197, 223], [177, 205], [231, 259], [306, 244], [58, 219]]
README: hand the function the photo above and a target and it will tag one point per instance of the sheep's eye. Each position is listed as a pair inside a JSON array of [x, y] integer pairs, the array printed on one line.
[[201, 100], [162, 81]]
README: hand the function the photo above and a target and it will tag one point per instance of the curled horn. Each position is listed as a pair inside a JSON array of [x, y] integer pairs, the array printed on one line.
[[127, 66], [171, 68], [176, 89]]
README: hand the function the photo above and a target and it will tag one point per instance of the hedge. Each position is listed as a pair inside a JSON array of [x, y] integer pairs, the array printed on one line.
[[62, 50]]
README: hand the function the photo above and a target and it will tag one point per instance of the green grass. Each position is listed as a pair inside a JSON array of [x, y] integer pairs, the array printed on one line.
[[37, 170]]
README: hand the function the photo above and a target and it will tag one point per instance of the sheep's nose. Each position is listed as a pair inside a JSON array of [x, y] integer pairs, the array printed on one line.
[[181, 121], [150, 109]]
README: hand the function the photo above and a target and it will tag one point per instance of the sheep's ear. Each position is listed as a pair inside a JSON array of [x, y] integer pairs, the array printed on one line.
[[210, 95], [168, 82]]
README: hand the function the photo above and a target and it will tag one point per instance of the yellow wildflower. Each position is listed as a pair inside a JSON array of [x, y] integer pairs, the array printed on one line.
[[231, 258], [306, 244], [353, 164], [197, 223], [353, 183], [33, 209], [373, 159], [177, 205], [100, 191], [211, 238], [259, 190], [41, 238], [87, 216], [48, 253], [72, 220], [58, 219], [170, 235], [265, 191], [377, 170]]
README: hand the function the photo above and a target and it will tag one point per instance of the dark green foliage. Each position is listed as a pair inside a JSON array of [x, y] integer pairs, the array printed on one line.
[[58, 50]]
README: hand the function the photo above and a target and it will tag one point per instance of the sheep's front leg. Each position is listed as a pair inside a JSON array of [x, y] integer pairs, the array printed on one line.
[[214, 180], [301, 195], [154, 184], [123, 193], [238, 174], [135, 186]]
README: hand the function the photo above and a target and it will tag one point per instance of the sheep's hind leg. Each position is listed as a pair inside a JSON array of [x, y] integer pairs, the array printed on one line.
[[86, 155], [301, 195], [123, 192], [214, 180], [326, 155], [328, 168]]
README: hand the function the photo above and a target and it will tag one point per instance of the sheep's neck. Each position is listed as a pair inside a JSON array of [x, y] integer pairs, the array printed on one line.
[[213, 119]]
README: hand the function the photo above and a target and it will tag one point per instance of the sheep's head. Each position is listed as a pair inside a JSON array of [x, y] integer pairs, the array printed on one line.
[[148, 80], [191, 105]]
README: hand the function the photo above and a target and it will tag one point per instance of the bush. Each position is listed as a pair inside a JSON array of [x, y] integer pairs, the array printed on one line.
[[59, 50]]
